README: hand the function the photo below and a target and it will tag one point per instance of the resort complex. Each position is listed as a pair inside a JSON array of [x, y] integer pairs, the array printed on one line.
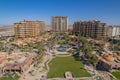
[[89, 51], [60, 40]]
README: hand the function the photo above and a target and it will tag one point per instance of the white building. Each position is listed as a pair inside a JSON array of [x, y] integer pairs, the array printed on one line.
[[114, 31]]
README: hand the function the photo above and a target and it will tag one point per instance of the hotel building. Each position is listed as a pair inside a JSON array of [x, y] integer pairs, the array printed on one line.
[[94, 29], [29, 28], [60, 24], [114, 31]]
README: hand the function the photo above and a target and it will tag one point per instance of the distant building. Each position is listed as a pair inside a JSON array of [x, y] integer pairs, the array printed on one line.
[[94, 29], [114, 31], [42, 26], [29, 28], [59, 24]]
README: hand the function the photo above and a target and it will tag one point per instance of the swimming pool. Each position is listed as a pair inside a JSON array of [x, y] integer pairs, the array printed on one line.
[[62, 48]]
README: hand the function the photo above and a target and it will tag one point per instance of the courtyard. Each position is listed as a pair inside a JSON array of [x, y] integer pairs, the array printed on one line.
[[59, 65]]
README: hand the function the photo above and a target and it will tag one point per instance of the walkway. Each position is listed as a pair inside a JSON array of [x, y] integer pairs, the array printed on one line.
[[36, 73]]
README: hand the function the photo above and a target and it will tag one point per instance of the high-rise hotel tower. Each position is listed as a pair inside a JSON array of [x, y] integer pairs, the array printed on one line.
[[29, 28], [59, 24]]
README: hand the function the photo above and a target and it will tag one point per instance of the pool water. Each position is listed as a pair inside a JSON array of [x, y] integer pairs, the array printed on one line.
[[62, 48]]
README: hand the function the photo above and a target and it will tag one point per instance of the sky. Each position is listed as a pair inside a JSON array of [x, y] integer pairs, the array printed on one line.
[[107, 11]]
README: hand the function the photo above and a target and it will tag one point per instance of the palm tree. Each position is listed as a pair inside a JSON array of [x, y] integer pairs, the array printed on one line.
[[1, 46], [41, 52]]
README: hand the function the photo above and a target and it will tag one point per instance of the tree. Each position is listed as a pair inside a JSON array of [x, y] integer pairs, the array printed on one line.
[[41, 52]]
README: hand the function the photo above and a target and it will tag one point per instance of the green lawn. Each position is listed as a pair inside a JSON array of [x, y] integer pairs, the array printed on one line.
[[9, 77], [59, 65], [99, 78], [116, 74]]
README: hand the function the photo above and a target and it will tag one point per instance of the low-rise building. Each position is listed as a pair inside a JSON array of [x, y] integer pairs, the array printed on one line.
[[108, 62], [16, 62]]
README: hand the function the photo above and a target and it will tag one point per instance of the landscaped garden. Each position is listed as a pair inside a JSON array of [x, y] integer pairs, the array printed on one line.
[[116, 74], [60, 65], [10, 77]]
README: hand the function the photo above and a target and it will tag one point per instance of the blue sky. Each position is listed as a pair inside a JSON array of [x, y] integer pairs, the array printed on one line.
[[16, 10]]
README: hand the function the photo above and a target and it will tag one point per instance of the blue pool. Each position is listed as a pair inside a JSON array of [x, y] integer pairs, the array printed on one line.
[[62, 48]]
